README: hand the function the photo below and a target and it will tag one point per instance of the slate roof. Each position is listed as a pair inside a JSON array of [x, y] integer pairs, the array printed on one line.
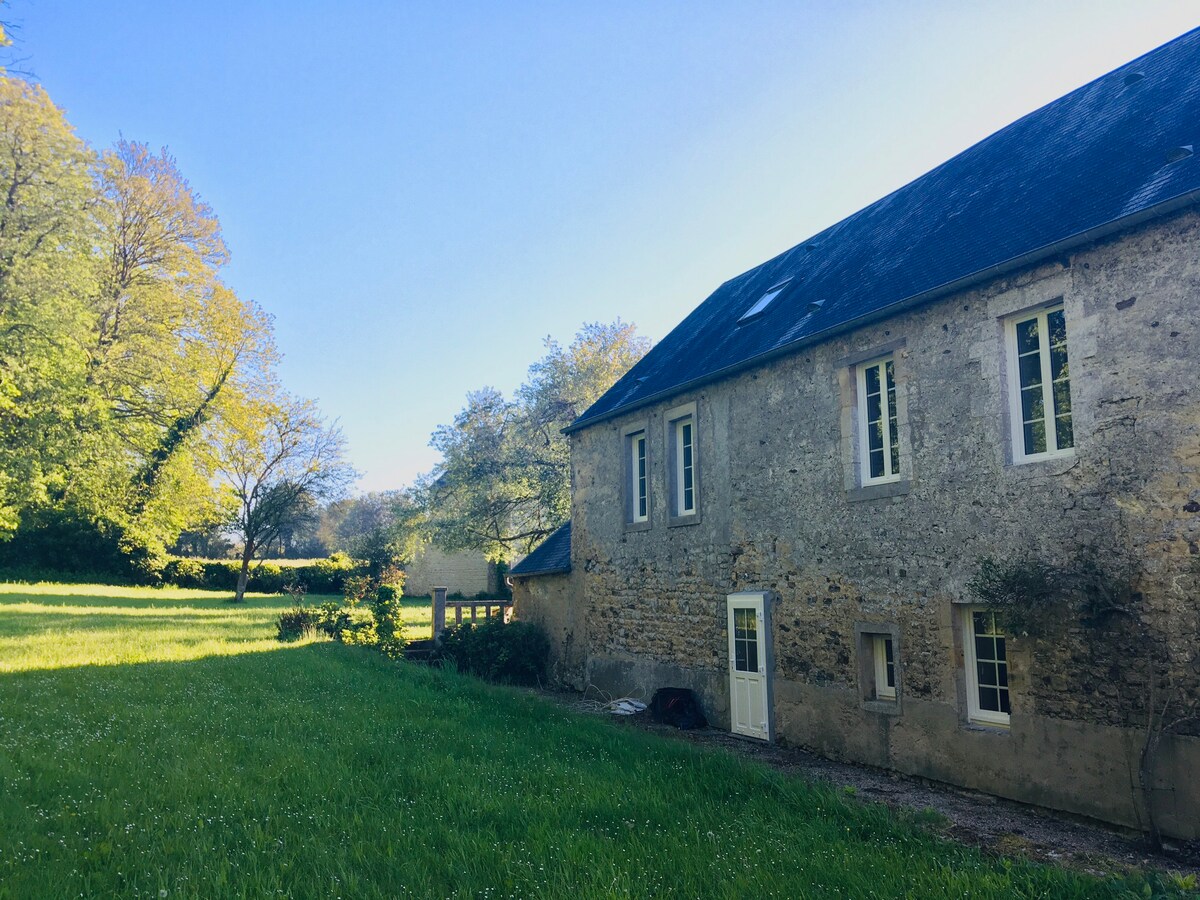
[[551, 556], [1091, 163]]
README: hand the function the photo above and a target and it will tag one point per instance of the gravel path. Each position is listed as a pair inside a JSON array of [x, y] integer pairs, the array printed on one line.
[[990, 823]]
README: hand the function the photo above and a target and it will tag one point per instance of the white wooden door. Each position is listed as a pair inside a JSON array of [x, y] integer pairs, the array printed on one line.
[[748, 676]]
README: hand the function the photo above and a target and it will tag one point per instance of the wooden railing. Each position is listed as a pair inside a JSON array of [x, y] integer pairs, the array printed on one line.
[[502, 607], [441, 604]]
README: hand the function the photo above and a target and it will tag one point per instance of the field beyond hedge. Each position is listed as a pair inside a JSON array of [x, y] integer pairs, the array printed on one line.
[[160, 743]]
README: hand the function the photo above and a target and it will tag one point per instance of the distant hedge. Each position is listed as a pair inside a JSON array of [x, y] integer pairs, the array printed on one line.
[[325, 576]]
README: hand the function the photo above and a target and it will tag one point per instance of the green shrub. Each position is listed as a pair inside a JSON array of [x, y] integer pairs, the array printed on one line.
[[389, 621], [326, 576], [332, 617], [187, 573], [267, 578], [516, 653], [297, 622], [359, 627]]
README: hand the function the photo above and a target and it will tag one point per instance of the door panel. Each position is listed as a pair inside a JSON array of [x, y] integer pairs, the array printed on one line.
[[748, 672]]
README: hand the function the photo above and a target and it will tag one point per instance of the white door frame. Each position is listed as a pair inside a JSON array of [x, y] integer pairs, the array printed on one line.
[[750, 694]]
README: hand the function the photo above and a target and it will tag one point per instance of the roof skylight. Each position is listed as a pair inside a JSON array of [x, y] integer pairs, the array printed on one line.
[[764, 301]]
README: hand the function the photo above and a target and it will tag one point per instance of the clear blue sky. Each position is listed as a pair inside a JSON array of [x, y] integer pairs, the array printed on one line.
[[421, 192]]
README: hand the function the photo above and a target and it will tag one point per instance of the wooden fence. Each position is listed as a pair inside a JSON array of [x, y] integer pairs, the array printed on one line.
[[502, 607]]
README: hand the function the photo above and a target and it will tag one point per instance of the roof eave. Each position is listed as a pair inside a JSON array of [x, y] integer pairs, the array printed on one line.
[[540, 572], [1072, 242]]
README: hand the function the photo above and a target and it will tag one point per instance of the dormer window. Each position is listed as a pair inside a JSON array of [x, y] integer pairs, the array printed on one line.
[[764, 301]]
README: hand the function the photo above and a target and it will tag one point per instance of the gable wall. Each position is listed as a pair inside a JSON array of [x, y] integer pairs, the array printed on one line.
[[780, 511]]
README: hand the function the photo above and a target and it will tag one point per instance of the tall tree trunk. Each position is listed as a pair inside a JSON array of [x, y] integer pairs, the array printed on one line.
[[244, 574]]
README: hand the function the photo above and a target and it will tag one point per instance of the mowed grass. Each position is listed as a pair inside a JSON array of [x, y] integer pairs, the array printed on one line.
[[162, 744]]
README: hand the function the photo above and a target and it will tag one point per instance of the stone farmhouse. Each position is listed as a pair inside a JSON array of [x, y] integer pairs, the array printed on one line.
[[783, 504]]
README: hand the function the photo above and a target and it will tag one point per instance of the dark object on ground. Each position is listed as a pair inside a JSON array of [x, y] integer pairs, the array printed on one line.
[[678, 707], [420, 651]]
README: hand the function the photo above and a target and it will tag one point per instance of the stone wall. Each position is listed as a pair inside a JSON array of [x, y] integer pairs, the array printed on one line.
[[781, 511], [462, 573]]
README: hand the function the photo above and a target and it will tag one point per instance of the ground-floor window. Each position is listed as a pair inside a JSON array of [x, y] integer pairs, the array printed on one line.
[[985, 656], [885, 667], [879, 665]]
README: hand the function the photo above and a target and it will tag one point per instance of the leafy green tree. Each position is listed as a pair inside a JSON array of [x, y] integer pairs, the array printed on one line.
[[277, 463], [504, 481], [47, 231], [172, 346]]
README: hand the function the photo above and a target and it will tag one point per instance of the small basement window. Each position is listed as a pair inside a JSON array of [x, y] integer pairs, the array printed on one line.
[[764, 301], [878, 666]]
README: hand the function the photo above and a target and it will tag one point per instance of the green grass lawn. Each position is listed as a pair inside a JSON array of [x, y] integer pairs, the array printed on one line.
[[159, 743]]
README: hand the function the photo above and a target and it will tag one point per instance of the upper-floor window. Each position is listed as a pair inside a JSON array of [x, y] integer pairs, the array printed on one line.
[[1039, 385], [683, 465], [635, 476], [879, 436], [985, 658], [639, 495]]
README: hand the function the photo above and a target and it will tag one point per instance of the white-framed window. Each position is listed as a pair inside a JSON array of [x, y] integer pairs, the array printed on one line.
[[684, 469], [635, 476], [985, 658], [1039, 385], [884, 659], [639, 492], [879, 435]]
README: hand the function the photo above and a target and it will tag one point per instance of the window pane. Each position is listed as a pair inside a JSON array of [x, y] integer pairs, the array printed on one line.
[[872, 379], [874, 408], [1059, 367], [739, 655], [1027, 336], [875, 436], [1033, 408], [743, 621], [989, 699], [751, 656], [1002, 674], [1031, 370], [1035, 437], [1056, 325], [1062, 398], [1064, 433], [1004, 702], [876, 457], [986, 672]]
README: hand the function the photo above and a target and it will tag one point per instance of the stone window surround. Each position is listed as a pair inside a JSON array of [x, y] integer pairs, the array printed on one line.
[[1015, 454], [864, 640], [670, 418], [859, 488], [627, 498]]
